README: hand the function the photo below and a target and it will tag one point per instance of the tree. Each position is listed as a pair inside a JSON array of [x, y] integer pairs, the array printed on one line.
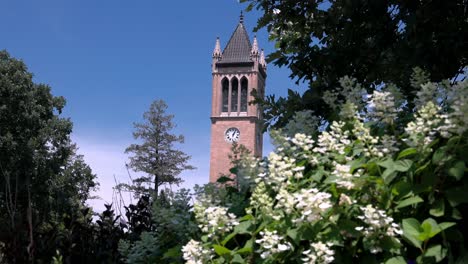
[[41, 177], [373, 41], [156, 155]]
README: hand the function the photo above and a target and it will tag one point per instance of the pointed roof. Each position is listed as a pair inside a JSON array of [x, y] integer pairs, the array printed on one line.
[[239, 47], [217, 49]]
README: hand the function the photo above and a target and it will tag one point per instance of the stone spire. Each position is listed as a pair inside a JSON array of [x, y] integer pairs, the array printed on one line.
[[254, 51], [217, 49], [262, 59]]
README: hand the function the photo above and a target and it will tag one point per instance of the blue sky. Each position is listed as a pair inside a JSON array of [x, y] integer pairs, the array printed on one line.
[[111, 59]]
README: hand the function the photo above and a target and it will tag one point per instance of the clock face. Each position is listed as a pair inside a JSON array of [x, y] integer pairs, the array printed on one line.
[[232, 135]]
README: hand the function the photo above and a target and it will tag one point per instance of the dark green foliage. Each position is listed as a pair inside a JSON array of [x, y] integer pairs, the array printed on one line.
[[139, 218], [172, 225], [373, 41], [43, 183]]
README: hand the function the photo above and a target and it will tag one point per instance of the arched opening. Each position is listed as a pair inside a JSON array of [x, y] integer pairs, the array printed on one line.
[[225, 95], [234, 94], [244, 90]]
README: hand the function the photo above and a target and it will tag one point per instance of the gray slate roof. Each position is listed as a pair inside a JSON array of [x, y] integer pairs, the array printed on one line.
[[238, 48]]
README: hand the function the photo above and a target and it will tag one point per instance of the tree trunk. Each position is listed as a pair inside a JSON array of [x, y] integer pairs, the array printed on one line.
[[156, 186]]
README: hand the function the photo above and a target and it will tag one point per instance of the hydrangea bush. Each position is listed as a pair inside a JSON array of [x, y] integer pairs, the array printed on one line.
[[381, 184]]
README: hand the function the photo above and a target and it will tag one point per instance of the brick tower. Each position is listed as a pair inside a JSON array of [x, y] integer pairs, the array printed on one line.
[[237, 71]]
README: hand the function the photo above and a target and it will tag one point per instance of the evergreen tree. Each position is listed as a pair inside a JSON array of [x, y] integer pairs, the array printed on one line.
[[156, 155]]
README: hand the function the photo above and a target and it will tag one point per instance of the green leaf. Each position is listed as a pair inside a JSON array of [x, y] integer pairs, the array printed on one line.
[[248, 248], [388, 175], [396, 260], [439, 155], [457, 170], [244, 227], [237, 259], [446, 225], [220, 250], [422, 168], [411, 231], [438, 208], [430, 229], [401, 188], [224, 179], [173, 252], [388, 164], [436, 251], [457, 195], [246, 217], [456, 214], [293, 234], [407, 152], [409, 201], [228, 237], [403, 165]]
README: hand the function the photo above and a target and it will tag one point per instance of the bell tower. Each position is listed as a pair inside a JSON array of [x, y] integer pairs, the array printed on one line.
[[237, 71]]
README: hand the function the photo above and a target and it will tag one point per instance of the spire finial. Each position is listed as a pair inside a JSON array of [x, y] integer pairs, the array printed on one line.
[[254, 51], [217, 49], [241, 18], [262, 59]]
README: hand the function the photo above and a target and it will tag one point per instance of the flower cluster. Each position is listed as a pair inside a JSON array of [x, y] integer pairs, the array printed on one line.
[[261, 199], [334, 141], [311, 204], [271, 243], [378, 226], [320, 253], [457, 99], [214, 219], [382, 105], [422, 131], [280, 168], [344, 177], [194, 253]]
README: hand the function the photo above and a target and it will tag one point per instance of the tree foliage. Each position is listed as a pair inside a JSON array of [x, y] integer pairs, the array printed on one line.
[[156, 155], [373, 41], [42, 179]]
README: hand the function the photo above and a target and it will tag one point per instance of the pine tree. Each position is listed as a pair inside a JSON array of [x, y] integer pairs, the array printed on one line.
[[156, 155]]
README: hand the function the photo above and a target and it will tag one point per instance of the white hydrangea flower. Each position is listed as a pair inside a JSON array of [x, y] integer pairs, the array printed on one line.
[[345, 200], [194, 253], [310, 204], [320, 253], [344, 177], [378, 226], [286, 201], [366, 140], [382, 106], [280, 167], [457, 100], [271, 243], [334, 141], [422, 131], [349, 111], [261, 199], [214, 219]]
